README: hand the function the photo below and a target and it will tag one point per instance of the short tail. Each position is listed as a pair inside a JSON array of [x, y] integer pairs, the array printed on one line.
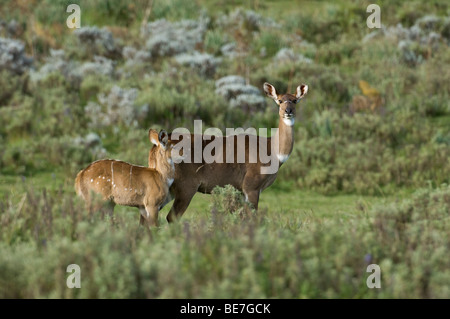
[[78, 185]]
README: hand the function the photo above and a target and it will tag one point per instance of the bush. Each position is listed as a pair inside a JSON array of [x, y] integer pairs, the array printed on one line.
[[239, 94], [164, 38], [72, 71], [222, 255], [12, 56], [381, 154], [95, 41], [203, 63], [285, 55], [116, 107], [227, 200]]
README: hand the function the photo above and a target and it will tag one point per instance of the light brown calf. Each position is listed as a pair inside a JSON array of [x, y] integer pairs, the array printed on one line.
[[131, 185]]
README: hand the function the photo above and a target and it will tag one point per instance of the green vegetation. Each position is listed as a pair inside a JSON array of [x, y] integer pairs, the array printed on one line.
[[367, 181], [271, 254]]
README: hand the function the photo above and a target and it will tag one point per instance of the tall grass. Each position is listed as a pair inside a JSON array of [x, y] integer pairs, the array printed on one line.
[[223, 255]]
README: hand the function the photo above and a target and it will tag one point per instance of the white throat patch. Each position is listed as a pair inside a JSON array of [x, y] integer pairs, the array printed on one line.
[[289, 122], [283, 157]]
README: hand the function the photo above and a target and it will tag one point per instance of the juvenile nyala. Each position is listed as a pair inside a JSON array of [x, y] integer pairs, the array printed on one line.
[[125, 184]]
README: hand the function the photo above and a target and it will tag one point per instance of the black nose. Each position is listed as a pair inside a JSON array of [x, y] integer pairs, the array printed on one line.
[[288, 111]]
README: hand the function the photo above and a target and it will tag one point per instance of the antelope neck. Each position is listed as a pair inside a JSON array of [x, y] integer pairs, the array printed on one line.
[[165, 166], [285, 136]]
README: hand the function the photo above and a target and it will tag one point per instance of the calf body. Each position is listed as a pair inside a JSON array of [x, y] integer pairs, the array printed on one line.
[[130, 185]]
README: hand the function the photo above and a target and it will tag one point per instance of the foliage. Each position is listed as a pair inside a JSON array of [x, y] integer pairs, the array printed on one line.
[[12, 56], [222, 255], [71, 97]]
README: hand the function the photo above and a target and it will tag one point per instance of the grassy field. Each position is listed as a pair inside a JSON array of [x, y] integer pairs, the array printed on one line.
[[366, 183]]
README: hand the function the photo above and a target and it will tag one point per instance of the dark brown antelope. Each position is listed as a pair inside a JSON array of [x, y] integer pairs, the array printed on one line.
[[125, 184], [247, 174]]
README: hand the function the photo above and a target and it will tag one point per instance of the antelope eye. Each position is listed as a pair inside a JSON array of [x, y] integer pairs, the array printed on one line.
[[280, 101], [295, 101]]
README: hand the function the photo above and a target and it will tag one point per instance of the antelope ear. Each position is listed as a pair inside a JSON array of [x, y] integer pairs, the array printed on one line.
[[301, 91], [153, 136], [270, 91], [163, 137]]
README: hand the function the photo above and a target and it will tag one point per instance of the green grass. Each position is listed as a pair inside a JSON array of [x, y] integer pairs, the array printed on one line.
[[282, 198]]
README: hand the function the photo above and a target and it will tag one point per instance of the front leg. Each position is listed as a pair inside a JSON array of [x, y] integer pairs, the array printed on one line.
[[151, 217], [183, 196]]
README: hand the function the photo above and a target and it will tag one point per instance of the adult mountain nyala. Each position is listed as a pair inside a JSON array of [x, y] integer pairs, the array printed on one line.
[[237, 159]]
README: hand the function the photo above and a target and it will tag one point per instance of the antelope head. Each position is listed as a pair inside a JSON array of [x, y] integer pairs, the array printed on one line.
[[160, 156], [286, 102]]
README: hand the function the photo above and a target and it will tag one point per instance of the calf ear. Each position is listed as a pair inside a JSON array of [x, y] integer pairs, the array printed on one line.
[[270, 91], [153, 136], [301, 91], [163, 137]]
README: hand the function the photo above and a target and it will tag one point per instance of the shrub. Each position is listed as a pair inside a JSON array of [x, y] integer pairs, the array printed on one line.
[[220, 255], [247, 20], [230, 50], [11, 85], [416, 43], [286, 55], [116, 107], [72, 71], [12, 56], [95, 41], [215, 40], [176, 97], [57, 63], [10, 29], [100, 66], [239, 94], [134, 56], [379, 155], [227, 200], [203, 63], [92, 144], [164, 38]]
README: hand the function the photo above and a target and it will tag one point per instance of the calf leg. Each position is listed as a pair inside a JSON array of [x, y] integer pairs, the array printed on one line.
[[152, 215], [143, 212], [149, 216]]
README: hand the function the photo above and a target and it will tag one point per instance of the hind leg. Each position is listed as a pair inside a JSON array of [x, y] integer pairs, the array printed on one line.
[[142, 220]]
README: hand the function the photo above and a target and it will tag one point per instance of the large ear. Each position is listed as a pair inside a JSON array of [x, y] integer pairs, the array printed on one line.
[[270, 91], [163, 138], [153, 136], [301, 91]]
